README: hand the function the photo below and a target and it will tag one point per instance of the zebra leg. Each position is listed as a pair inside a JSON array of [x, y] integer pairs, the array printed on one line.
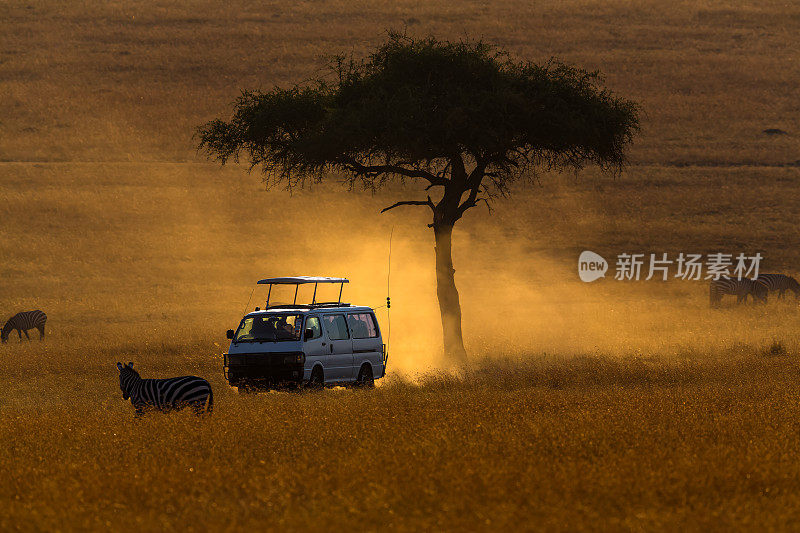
[[204, 406], [26, 335], [19, 332], [41, 333], [199, 407]]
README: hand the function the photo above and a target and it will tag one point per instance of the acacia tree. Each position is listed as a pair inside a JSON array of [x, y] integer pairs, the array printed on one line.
[[461, 118]]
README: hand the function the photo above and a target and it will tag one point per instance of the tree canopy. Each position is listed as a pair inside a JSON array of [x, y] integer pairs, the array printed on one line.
[[428, 109]]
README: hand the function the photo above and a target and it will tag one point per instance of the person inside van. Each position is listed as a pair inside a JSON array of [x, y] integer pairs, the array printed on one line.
[[284, 329], [358, 326], [261, 329]]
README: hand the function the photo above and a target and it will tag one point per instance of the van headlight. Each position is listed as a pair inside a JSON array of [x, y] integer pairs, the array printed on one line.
[[294, 359]]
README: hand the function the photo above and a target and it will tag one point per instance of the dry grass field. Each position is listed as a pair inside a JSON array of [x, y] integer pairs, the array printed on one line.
[[603, 406]]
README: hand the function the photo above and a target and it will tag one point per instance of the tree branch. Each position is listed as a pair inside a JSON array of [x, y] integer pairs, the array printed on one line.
[[474, 185], [375, 170], [427, 202]]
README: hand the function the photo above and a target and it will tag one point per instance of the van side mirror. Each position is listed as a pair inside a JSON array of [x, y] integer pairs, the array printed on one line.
[[229, 334], [309, 334]]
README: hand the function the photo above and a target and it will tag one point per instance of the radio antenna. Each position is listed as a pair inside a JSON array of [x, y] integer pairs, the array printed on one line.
[[388, 299], [248, 301]]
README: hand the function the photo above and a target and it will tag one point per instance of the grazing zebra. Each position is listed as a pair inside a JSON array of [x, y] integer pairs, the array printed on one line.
[[22, 322], [740, 287], [164, 394], [780, 283]]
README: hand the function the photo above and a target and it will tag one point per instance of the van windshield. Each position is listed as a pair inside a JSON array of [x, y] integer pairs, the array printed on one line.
[[272, 327]]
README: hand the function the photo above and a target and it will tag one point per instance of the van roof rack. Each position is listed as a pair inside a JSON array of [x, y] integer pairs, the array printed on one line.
[[300, 280], [303, 280], [316, 305], [329, 304]]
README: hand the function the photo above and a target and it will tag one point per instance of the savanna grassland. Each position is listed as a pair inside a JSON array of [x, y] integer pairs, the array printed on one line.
[[611, 405]]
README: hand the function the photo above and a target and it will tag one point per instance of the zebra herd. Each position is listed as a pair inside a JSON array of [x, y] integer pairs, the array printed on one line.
[[758, 288], [160, 394]]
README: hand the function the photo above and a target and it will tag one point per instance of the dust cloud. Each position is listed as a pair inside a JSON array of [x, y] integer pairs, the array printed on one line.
[[170, 254]]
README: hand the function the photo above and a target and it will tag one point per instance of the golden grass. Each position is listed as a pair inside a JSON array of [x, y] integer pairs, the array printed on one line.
[[579, 443], [645, 410]]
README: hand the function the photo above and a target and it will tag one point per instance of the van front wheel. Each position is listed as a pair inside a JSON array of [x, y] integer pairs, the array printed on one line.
[[365, 377], [317, 380]]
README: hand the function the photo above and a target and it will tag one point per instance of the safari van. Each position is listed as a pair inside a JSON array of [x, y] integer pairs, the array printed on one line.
[[317, 344]]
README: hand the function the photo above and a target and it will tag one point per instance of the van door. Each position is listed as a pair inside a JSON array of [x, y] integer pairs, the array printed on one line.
[[315, 347], [367, 345], [340, 348]]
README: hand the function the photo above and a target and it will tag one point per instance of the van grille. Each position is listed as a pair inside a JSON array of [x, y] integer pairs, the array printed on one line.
[[258, 359]]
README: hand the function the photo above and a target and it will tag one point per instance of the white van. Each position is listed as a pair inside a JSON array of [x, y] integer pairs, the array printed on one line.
[[316, 344]]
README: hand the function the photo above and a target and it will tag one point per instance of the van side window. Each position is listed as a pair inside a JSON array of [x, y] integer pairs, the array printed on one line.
[[336, 327], [362, 325], [313, 324]]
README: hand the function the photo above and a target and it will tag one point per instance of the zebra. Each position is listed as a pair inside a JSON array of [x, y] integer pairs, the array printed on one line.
[[740, 287], [164, 394], [22, 322], [780, 283]]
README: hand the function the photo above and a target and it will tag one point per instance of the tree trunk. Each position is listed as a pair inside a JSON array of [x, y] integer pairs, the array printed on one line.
[[449, 304]]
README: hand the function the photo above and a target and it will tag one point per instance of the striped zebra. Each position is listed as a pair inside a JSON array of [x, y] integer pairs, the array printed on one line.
[[22, 322], [164, 394], [780, 283], [739, 287]]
